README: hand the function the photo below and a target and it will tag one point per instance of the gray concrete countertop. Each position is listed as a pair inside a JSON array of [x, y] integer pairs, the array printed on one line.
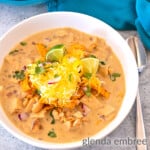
[[11, 15]]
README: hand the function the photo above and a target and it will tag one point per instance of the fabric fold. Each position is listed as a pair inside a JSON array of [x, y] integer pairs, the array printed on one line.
[[23, 2], [121, 15], [142, 22]]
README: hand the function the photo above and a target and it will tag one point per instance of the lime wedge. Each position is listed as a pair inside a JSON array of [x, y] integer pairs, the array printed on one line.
[[55, 53], [90, 65]]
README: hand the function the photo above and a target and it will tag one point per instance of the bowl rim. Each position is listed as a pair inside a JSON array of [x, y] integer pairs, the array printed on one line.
[[75, 144]]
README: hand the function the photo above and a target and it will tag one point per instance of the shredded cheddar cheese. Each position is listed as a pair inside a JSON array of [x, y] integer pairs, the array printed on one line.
[[59, 83], [62, 89]]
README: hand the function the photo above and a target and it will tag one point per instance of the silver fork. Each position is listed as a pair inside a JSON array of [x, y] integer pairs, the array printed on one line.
[[141, 59]]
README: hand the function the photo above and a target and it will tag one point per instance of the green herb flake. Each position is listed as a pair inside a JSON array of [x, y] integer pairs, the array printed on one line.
[[88, 91], [53, 119], [56, 75], [39, 70], [52, 133], [93, 56], [23, 43], [88, 75], [70, 77], [114, 76], [19, 75], [102, 62], [37, 91], [38, 62], [13, 52]]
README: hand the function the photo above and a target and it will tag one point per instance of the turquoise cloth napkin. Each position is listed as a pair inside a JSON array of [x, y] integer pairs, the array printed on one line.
[[122, 15]]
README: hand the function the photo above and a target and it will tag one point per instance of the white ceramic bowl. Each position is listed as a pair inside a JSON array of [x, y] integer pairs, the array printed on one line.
[[86, 24]]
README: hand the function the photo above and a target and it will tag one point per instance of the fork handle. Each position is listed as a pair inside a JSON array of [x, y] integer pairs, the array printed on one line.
[[140, 130]]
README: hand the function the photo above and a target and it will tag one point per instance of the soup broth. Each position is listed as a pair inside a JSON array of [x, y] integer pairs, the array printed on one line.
[[61, 85]]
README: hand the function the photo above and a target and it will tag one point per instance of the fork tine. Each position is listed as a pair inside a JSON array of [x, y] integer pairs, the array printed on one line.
[[141, 56], [131, 43]]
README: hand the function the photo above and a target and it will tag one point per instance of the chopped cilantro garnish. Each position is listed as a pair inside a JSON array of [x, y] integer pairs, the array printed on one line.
[[88, 75], [19, 75], [13, 52], [56, 75], [37, 92], [39, 70], [102, 62], [52, 133], [88, 91], [70, 77], [53, 119], [114, 76], [93, 56], [23, 43], [38, 62]]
